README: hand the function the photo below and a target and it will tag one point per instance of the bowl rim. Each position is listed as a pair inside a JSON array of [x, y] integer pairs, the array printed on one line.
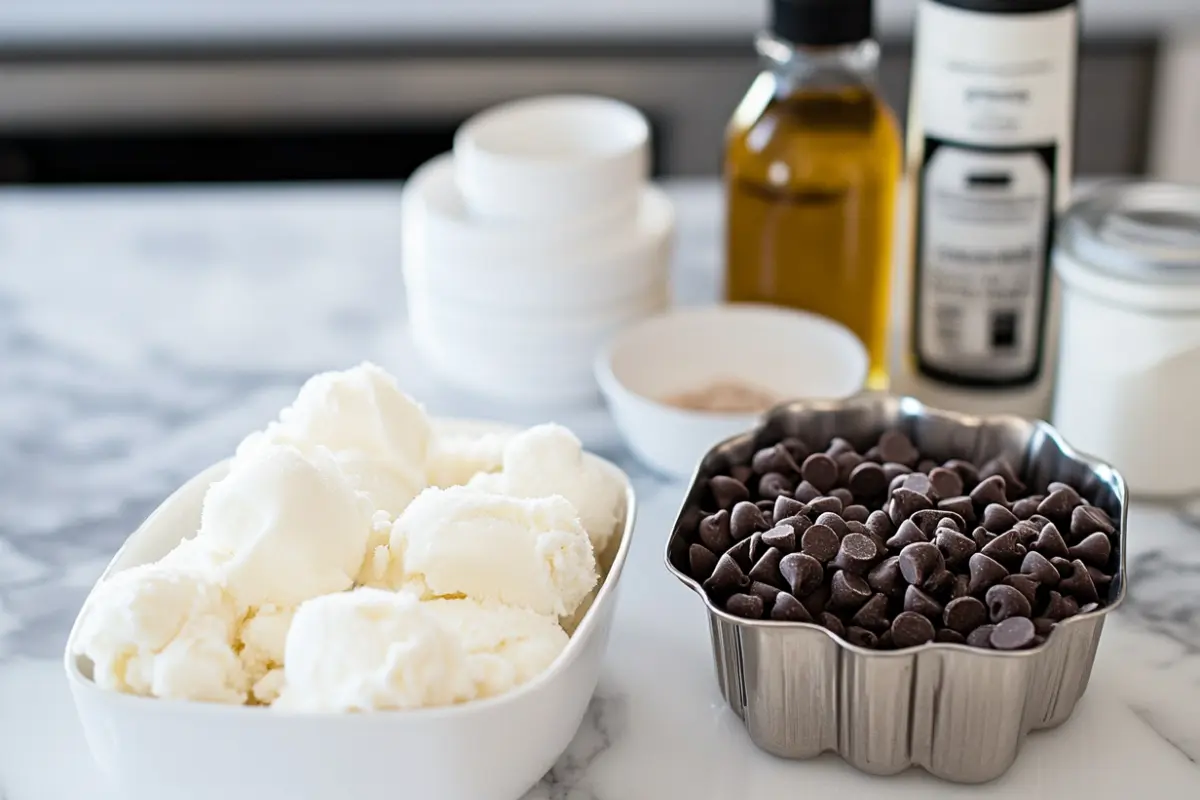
[[607, 377], [907, 403], [576, 643]]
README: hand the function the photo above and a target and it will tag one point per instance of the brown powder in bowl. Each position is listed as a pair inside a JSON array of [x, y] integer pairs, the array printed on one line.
[[726, 397]]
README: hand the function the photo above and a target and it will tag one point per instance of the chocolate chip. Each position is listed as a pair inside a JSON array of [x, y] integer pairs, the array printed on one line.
[[745, 605], [740, 553], [947, 636], [949, 523], [820, 542], [856, 527], [872, 454], [867, 480], [1000, 467], [742, 473], [799, 524], [956, 548], [1043, 626], [848, 591], [1026, 507], [960, 505], [1004, 601], [965, 469], [856, 513], [1059, 503], [880, 524], [1093, 550], [714, 532], [916, 482], [727, 576], [895, 447], [1079, 583], [1038, 521], [885, 578], [781, 537], [892, 470], [802, 572], [844, 495], [981, 637], [757, 548], [926, 465], [920, 602], [1037, 567], [964, 614], [905, 503], [824, 505], [920, 561], [1027, 532], [789, 609], [946, 482], [766, 591], [856, 554], [820, 470], [1086, 520], [795, 447], [727, 492], [838, 446], [1006, 549], [834, 522], [1050, 543], [1024, 584], [873, 615], [805, 492], [766, 569], [832, 624], [908, 533], [775, 459], [981, 538], [1060, 607], [815, 602], [911, 629], [785, 507], [701, 561], [930, 519], [961, 587], [989, 491], [1015, 633], [985, 573], [939, 582], [998, 519], [846, 463], [745, 520], [861, 637], [1101, 579], [773, 485]]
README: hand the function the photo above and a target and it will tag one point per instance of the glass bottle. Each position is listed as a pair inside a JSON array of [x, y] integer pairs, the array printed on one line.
[[812, 162]]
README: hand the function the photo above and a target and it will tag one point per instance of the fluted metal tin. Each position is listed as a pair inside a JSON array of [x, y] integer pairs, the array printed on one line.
[[958, 712]]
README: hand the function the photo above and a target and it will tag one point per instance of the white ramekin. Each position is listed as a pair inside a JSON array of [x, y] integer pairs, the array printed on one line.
[[791, 354], [549, 157], [153, 749]]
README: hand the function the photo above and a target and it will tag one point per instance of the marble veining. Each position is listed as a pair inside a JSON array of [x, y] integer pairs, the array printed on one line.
[[144, 331]]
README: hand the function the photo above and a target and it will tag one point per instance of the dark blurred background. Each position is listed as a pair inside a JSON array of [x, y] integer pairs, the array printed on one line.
[[100, 91]]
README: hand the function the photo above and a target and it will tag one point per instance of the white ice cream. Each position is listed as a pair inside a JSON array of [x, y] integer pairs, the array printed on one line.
[[506, 647], [162, 631], [377, 434], [371, 649], [530, 553], [295, 526], [262, 638], [548, 460], [455, 458]]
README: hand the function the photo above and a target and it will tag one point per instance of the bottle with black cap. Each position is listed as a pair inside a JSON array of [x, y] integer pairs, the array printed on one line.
[[991, 128], [812, 163]]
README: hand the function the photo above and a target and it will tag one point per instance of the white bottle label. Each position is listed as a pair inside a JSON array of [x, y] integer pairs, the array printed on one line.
[[994, 93]]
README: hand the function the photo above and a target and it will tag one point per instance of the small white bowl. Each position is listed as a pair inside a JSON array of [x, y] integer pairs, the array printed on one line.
[[550, 157], [790, 354], [153, 749]]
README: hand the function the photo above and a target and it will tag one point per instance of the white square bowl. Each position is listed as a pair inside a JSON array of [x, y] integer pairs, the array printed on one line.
[[494, 749]]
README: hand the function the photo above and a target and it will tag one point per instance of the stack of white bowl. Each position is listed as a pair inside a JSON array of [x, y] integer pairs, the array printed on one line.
[[534, 241]]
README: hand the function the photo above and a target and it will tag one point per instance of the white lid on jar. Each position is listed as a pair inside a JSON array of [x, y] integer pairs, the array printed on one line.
[[1134, 245]]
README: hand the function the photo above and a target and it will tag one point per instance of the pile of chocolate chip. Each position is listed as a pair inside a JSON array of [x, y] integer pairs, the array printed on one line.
[[890, 550]]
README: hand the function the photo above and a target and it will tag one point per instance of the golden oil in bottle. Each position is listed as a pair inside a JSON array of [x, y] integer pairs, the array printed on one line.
[[812, 162]]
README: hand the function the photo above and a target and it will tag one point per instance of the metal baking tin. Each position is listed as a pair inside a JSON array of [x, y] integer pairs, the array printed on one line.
[[958, 712]]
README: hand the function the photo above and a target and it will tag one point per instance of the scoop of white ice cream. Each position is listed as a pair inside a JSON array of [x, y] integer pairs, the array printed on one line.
[[378, 434], [455, 458], [295, 526], [371, 649], [548, 460], [529, 553], [505, 646], [263, 637], [163, 631]]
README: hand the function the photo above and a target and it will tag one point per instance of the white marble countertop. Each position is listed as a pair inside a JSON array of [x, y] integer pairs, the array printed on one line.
[[142, 332]]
